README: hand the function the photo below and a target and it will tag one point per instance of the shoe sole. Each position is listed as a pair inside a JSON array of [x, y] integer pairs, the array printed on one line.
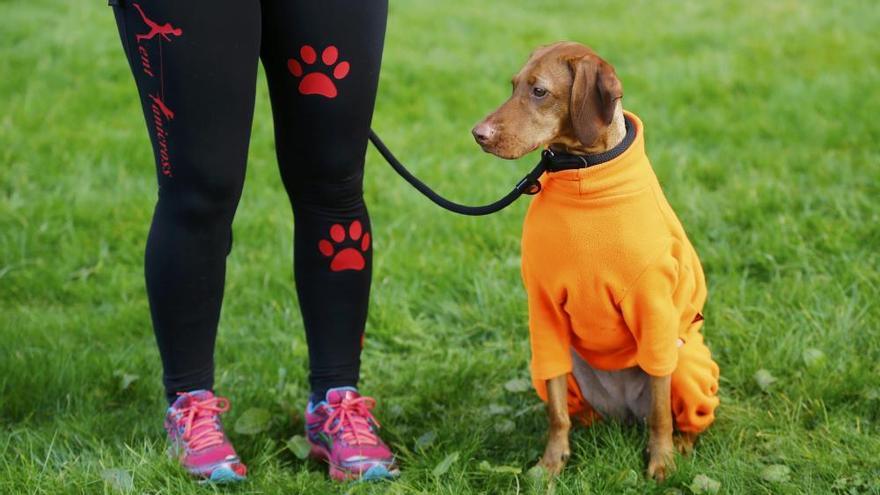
[[223, 474], [377, 472]]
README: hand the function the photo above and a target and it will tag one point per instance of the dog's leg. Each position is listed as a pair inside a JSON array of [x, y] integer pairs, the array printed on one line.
[[557, 451], [660, 446]]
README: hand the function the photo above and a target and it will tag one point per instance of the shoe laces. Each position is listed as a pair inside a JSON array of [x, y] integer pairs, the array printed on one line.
[[351, 418], [201, 428]]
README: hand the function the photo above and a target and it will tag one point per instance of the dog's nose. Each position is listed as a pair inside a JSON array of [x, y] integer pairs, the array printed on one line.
[[483, 132]]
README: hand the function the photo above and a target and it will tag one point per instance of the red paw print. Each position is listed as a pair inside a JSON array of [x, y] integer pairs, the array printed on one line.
[[350, 258], [318, 83]]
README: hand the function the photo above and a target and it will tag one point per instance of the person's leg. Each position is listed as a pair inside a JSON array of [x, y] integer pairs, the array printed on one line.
[[322, 63], [195, 65]]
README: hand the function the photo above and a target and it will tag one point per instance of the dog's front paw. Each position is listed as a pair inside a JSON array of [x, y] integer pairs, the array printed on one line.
[[661, 463], [554, 458]]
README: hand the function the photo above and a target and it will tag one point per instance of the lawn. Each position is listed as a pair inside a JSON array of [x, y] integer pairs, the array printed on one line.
[[762, 127]]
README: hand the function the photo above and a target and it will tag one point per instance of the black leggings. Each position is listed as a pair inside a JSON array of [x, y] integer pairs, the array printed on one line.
[[195, 65]]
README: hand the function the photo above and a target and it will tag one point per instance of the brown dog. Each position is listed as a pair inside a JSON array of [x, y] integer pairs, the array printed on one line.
[[566, 98]]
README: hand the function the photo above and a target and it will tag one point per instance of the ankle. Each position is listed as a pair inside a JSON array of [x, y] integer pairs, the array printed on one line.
[[319, 394]]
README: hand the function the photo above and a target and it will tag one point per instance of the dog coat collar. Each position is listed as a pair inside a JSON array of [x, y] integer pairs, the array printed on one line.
[[555, 161]]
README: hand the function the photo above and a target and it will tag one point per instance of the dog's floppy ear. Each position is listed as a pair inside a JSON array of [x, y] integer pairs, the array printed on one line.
[[595, 90]]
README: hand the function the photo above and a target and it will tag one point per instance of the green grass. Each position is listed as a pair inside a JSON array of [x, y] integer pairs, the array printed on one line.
[[762, 127]]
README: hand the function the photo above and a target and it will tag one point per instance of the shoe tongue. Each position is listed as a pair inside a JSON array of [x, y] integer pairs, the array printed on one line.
[[184, 400], [337, 395]]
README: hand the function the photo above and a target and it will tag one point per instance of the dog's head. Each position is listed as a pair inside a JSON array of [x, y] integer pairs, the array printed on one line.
[[565, 95]]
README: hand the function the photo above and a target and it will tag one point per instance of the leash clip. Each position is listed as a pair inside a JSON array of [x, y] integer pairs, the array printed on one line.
[[534, 187], [528, 185]]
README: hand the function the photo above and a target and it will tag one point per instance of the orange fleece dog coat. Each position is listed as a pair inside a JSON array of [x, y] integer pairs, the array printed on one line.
[[611, 275]]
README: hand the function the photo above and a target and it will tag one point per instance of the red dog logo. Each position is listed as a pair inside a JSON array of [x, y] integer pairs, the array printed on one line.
[[314, 82], [155, 28], [346, 258]]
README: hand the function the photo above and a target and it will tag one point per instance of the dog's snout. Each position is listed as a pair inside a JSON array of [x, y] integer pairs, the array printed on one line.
[[484, 132]]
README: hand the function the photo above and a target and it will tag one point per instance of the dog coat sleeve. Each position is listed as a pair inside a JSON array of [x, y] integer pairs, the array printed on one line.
[[651, 314], [549, 329]]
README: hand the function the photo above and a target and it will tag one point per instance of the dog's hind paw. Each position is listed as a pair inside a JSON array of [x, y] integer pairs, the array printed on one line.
[[684, 442], [553, 461]]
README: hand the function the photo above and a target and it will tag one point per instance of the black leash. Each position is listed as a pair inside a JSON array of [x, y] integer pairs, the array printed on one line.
[[550, 162], [528, 185]]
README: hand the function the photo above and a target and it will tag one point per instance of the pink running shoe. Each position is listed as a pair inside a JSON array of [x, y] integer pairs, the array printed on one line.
[[197, 438], [342, 431]]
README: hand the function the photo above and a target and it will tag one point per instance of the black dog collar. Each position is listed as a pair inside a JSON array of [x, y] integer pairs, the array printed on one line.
[[555, 161]]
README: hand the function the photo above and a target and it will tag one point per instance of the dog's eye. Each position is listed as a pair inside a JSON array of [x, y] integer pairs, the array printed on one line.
[[539, 92]]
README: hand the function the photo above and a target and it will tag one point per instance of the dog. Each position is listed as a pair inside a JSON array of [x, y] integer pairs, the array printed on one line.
[[615, 288]]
